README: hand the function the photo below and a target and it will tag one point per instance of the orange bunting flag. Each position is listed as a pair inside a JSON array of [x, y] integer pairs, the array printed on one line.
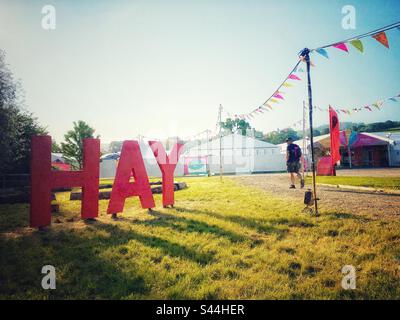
[[381, 37]]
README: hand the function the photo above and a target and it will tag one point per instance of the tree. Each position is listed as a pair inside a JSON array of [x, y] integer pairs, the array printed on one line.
[[238, 125], [278, 137], [115, 146], [55, 147], [17, 125], [72, 148]]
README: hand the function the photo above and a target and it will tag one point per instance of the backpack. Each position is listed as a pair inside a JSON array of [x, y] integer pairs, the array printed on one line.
[[294, 152]]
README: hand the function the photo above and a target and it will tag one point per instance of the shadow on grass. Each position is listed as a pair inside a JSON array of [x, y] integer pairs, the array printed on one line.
[[260, 225], [82, 271], [347, 216], [172, 249], [182, 224]]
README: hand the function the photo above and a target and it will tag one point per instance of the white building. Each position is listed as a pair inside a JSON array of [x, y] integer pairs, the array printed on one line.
[[240, 155]]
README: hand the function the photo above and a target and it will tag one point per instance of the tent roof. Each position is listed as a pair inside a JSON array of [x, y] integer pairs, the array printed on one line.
[[362, 139], [232, 140]]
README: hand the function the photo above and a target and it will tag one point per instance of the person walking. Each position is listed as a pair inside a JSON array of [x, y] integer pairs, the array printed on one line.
[[293, 162]]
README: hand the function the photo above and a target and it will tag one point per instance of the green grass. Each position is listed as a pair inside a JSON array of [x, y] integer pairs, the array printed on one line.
[[373, 182], [221, 241]]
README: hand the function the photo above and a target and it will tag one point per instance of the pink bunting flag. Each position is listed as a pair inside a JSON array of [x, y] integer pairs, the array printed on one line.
[[278, 96], [294, 77], [341, 46]]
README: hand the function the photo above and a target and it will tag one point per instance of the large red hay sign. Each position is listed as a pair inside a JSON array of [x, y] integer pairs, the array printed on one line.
[[44, 179]]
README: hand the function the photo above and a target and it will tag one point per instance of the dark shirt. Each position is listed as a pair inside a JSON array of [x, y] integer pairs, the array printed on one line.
[[294, 152]]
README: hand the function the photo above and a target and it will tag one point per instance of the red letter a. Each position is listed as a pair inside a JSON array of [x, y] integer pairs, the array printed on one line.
[[130, 163], [43, 179], [167, 166]]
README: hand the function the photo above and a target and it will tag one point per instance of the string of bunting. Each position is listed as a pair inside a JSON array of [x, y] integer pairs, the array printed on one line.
[[278, 96], [370, 107], [379, 35], [377, 105], [294, 76]]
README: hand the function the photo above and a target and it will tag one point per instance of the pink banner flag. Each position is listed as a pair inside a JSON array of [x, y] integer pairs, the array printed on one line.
[[278, 96], [341, 46], [294, 77]]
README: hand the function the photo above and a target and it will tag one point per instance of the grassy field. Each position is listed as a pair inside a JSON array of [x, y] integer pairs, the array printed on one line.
[[221, 241], [373, 182]]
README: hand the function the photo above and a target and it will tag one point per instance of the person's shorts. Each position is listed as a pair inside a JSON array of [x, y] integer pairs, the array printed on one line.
[[293, 167]]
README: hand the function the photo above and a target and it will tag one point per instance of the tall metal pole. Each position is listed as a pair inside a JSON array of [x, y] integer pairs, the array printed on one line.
[[306, 55], [348, 148], [220, 141], [304, 137]]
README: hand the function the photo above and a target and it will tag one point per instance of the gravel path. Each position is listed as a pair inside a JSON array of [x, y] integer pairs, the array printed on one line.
[[343, 201]]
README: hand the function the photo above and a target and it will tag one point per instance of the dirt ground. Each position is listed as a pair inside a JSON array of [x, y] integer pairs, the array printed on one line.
[[343, 201]]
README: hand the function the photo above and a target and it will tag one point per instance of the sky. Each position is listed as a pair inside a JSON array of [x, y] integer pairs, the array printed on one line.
[[162, 68]]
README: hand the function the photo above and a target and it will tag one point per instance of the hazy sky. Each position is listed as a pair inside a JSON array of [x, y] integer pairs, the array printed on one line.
[[161, 68]]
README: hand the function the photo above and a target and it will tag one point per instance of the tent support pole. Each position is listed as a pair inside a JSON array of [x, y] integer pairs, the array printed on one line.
[[305, 53], [220, 141]]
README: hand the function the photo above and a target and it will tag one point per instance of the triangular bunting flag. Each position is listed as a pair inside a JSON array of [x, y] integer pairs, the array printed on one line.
[[323, 53], [341, 46], [286, 84], [294, 77], [367, 107], [273, 100], [278, 96], [300, 70], [268, 105], [376, 105], [381, 37], [358, 45]]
